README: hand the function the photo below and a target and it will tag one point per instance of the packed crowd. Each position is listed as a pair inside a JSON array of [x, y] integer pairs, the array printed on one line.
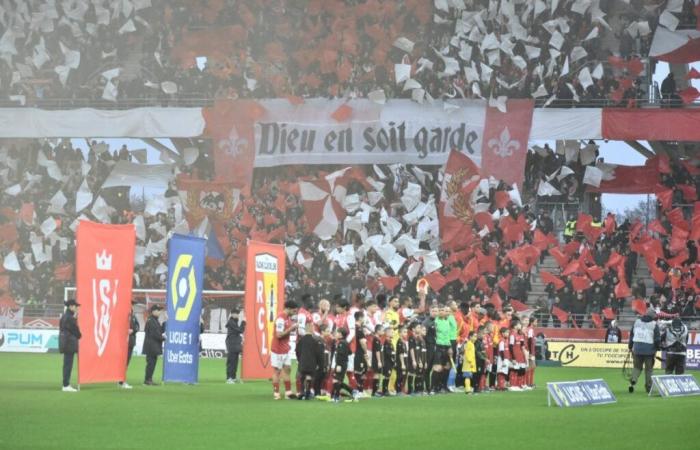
[[385, 348], [563, 52], [47, 186], [383, 236]]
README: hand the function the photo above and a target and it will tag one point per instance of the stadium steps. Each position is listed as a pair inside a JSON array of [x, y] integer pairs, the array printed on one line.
[[131, 66]]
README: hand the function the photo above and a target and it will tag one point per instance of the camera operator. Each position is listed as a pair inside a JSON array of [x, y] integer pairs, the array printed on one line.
[[645, 339], [674, 339], [234, 339]]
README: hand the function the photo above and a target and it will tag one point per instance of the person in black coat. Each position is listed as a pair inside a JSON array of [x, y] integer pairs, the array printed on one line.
[[310, 360], [234, 344], [153, 343], [68, 336], [134, 328]]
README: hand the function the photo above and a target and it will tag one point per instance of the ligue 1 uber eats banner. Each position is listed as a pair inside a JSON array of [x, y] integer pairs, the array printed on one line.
[[264, 298], [105, 267], [184, 307]]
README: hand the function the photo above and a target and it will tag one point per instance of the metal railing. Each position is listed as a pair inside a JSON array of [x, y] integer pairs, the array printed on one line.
[[71, 103], [584, 320], [197, 100]]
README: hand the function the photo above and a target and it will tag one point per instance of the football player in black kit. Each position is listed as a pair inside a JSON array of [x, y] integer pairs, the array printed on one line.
[[377, 365]]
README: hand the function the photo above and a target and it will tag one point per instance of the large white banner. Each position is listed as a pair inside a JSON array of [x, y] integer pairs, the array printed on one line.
[[86, 122], [399, 131]]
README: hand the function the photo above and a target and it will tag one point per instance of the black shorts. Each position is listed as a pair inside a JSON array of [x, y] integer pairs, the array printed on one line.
[[375, 364], [386, 370], [338, 376], [442, 355]]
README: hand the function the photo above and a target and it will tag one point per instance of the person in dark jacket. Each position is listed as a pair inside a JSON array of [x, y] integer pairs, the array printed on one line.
[[133, 329], [153, 343], [645, 339], [310, 360], [613, 335], [234, 342], [68, 336], [340, 359]]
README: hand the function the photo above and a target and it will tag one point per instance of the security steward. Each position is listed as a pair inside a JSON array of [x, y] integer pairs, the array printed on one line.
[[645, 339], [68, 336], [152, 343], [674, 342], [570, 229]]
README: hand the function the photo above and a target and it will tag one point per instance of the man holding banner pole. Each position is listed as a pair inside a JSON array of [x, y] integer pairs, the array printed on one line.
[[133, 329], [152, 344]]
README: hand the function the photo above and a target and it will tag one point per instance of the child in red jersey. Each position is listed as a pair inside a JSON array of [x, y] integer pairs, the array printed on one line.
[[530, 324], [503, 360], [516, 342]]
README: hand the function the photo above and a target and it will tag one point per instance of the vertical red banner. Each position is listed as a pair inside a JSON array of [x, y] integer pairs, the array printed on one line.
[[504, 146], [264, 299], [230, 123], [105, 270]]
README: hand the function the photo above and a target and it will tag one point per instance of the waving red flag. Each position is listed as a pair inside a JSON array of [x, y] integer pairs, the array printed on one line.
[[614, 260], [622, 290], [390, 282], [548, 278], [597, 320], [560, 314], [496, 300], [657, 227], [559, 257], [609, 314], [580, 283], [436, 281], [572, 268], [486, 263], [504, 283], [639, 306], [519, 306], [502, 198], [454, 211], [595, 272], [664, 196]]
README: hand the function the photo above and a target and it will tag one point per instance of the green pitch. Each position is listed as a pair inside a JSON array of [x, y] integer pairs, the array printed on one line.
[[35, 414]]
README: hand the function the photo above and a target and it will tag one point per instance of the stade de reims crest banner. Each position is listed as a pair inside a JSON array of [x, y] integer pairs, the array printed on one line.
[[104, 274], [184, 307], [264, 299]]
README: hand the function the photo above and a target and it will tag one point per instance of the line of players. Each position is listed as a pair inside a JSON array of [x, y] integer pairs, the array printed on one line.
[[399, 351]]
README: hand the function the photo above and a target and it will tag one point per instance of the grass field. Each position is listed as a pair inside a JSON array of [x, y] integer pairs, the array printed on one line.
[[35, 414]]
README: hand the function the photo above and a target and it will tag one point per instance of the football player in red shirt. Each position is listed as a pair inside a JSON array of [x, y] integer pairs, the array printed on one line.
[[281, 359]]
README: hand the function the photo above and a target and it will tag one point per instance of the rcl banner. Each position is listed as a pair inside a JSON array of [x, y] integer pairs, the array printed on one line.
[[579, 393], [104, 273], [264, 298], [184, 305]]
